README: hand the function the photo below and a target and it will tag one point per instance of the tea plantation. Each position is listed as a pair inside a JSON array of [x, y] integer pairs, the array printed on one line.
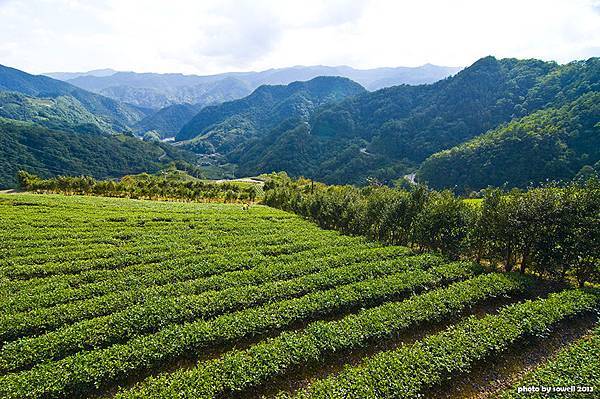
[[110, 297]]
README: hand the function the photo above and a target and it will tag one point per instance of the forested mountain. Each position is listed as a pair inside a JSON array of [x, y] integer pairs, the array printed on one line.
[[45, 152], [555, 143], [118, 116], [168, 121], [391, 131], [159, 90], [62, 113], [541, 120], [228, 126]]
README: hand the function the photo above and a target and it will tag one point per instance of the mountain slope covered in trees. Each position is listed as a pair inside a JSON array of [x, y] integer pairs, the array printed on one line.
[[118, 116], [391, 131], [61, 112], [228, 126], [333, 130], [556, 143], [48, 153]]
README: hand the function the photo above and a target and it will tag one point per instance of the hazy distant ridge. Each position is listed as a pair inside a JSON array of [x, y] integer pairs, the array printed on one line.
[[160, 90]]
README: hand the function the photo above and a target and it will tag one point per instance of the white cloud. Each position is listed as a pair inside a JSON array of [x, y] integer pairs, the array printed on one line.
[[212, 36]]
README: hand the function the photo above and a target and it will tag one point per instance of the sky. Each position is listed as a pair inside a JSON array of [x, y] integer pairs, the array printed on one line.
[[214, 36]]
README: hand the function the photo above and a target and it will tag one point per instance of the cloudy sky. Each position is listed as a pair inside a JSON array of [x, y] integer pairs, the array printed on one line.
[[211, 36]]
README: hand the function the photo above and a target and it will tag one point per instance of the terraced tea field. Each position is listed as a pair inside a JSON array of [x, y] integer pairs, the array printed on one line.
[[137, 299]]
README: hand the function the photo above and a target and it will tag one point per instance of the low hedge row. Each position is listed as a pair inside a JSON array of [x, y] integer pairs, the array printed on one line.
[[84, 372], [407, 371], [159, 312], [240, 369], [573, 372], [13, 326]]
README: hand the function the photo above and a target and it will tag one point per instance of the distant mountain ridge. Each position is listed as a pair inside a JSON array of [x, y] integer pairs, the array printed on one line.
[[159, 90], [73, 75], [498, 121]]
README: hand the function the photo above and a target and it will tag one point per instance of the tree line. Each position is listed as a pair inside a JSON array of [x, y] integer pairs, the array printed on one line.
[[171, 185], [552, 230]]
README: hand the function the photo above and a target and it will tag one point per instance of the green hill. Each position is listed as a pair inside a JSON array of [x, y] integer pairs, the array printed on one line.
[[119, 116], [228, 126], [48, 153], [62, 113], [389, 132], [554, 143]]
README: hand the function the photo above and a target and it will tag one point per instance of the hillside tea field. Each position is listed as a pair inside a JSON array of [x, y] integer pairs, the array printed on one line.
[[122, 298]]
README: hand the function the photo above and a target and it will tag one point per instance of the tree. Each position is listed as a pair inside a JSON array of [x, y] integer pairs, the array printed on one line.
[[26, 180]]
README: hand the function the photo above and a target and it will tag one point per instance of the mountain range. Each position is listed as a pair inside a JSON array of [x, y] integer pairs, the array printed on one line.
[[497, 122], [389, 132], [153, 90], [231, 125]]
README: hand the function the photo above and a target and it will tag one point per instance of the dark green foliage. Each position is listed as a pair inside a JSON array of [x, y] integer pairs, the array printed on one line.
[[552, 230], [387, 133], [84, 372], [410, 370], [48, 153], [169, 184], [61, 113], [239, 370], [577, 366], [555, 231], [443, 224], [427, 219], [118, 115], [555, 143], [230, 125], [159, 311]]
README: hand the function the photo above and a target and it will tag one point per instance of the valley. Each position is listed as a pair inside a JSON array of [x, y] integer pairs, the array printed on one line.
[[457, 133]]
